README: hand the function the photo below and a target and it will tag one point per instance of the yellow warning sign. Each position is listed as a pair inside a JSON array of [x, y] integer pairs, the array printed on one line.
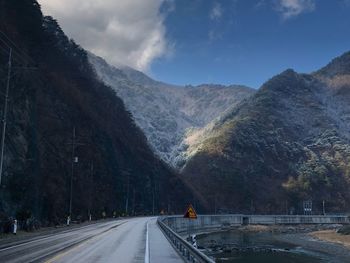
[[190, 212]]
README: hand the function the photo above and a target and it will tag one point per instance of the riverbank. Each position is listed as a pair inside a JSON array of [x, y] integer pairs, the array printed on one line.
[[322, 239], [319, 241], [330, 251], [273, 229], [332, 236]]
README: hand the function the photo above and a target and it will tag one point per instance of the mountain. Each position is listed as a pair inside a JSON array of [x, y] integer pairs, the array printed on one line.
[[166, 113], [287, 143], [54, 90]]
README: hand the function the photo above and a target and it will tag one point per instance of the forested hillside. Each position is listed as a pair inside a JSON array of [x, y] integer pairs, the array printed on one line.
[[288, 143], [53, 90]]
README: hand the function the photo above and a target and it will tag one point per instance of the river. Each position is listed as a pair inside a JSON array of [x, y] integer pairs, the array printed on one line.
[[259, 247]]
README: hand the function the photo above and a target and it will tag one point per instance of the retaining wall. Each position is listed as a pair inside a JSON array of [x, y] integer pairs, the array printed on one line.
[[212, 222]]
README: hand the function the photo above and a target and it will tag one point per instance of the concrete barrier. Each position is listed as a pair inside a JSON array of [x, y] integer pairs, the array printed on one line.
[[213, 222], [203, 222], [297, 219]]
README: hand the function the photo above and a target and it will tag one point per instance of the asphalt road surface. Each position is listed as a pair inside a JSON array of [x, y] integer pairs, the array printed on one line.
[[124, 241]]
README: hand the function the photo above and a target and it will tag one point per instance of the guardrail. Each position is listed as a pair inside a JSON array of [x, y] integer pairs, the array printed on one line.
[[172, 225], [185, 249]]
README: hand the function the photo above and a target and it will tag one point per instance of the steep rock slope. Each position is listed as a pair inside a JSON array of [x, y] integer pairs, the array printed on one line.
[[288, 143], [62, 92], [166, 112]]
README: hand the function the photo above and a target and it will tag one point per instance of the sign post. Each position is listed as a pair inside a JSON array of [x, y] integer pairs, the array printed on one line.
[[307, 205], [190, 214]]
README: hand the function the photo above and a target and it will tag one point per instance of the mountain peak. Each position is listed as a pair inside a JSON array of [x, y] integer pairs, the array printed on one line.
[[289, 71], [338, 66], [287, 78], [166, 112], [286, 142]]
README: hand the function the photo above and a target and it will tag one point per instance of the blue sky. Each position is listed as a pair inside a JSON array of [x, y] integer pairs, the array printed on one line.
[[208, 41], [247, 42]]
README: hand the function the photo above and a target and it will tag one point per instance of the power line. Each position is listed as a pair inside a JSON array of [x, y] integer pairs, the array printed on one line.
[[14, 53], [11, 52], [14, 44], [15, 56], [21, 56], [5, 114], [6, 51], [19, 50]]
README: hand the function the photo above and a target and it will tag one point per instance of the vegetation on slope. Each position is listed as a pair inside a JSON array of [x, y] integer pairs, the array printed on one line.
[[286, 144], [46, 104]]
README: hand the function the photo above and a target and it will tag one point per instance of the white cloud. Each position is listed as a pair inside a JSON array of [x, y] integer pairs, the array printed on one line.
[[216, 12], [127, 32], [292, 8]]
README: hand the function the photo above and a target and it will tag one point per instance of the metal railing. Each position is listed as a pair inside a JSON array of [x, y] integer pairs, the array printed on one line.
[[172, 225], [185, 249]]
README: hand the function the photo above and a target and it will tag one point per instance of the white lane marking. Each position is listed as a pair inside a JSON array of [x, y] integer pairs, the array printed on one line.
[[83, 243], [147, 245], [26, 243], [44, 238]]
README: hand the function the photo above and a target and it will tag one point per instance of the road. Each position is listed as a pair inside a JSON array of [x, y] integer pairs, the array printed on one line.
[[129, 240]]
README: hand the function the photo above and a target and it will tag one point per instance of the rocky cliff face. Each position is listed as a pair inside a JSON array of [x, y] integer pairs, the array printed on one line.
[[288, 143], [166, 113]]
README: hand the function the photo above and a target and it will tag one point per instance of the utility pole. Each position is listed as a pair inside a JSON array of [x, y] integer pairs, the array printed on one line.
[[215, 208], [168, 208], [133, 202], [74, 160], [127, 194], [324, 208], [91, 188], [153, 201], [72, 173], [5, 113]]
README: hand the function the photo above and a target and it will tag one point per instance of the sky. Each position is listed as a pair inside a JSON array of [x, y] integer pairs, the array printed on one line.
[[208, 41]]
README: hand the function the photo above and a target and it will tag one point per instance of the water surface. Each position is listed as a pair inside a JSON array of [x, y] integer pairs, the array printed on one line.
[[247, 247]]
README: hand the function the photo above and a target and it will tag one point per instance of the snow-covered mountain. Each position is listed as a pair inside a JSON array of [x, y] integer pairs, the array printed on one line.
[[167, 113]]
